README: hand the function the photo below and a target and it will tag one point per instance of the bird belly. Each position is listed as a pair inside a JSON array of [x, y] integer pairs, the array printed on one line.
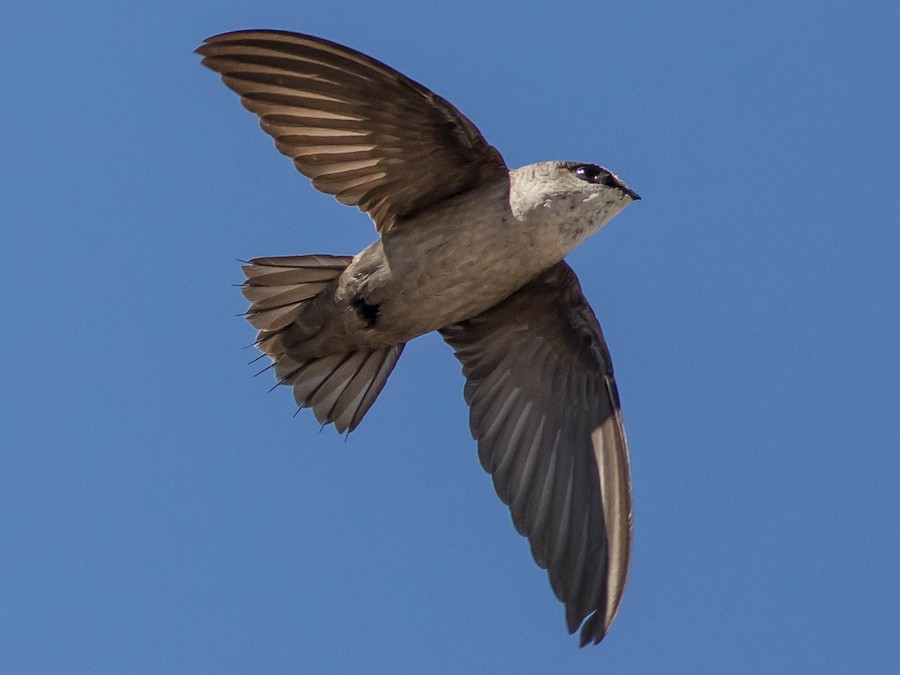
[[445, 273], [437, 269]]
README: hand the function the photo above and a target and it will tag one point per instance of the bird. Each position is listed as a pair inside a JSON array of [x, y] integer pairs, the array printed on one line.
[[470, 249]]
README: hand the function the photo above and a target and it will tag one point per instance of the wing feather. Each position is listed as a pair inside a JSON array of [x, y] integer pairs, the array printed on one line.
[[360, 130], [545, 412]]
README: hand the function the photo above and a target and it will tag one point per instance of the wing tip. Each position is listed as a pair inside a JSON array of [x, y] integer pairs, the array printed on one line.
[[593, 631]]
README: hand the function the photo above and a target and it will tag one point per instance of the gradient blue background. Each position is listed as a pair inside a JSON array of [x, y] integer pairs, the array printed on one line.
[[161, 513]]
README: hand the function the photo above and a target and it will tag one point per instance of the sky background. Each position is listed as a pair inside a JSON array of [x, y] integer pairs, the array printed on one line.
[[160, 512]]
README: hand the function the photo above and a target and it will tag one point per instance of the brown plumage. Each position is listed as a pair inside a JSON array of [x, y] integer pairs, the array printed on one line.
[[467, 248]]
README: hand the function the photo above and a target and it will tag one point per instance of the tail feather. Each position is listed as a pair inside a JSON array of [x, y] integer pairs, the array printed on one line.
[[268, 297], [340, 388], [360, 393], [278, 287]]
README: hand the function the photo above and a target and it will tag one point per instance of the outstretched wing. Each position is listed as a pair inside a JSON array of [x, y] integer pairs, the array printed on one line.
[[360, 130], [545, 413]]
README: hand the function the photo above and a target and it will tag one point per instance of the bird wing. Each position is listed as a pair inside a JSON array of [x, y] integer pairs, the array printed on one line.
[[545, 411], [360, 130]]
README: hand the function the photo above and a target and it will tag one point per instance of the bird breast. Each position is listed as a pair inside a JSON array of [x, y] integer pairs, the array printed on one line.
[[450, 264]]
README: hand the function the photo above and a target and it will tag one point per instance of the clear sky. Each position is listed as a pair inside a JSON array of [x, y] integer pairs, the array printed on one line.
[[163, 513]]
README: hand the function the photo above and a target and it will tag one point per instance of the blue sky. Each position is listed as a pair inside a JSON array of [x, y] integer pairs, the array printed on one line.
[[163, 513]]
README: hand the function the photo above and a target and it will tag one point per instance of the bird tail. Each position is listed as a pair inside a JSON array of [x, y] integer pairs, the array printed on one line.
[[340, 388]]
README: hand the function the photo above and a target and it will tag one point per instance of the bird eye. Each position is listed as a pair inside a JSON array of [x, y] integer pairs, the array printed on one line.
[[592, 173]]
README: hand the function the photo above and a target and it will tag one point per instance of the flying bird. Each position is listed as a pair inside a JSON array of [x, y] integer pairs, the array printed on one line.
[[467, 248]]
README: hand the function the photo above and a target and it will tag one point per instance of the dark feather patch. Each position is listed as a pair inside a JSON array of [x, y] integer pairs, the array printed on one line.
[[365, 311]]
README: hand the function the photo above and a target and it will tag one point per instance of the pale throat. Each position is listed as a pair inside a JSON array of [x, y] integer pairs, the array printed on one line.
[[562, 221]]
